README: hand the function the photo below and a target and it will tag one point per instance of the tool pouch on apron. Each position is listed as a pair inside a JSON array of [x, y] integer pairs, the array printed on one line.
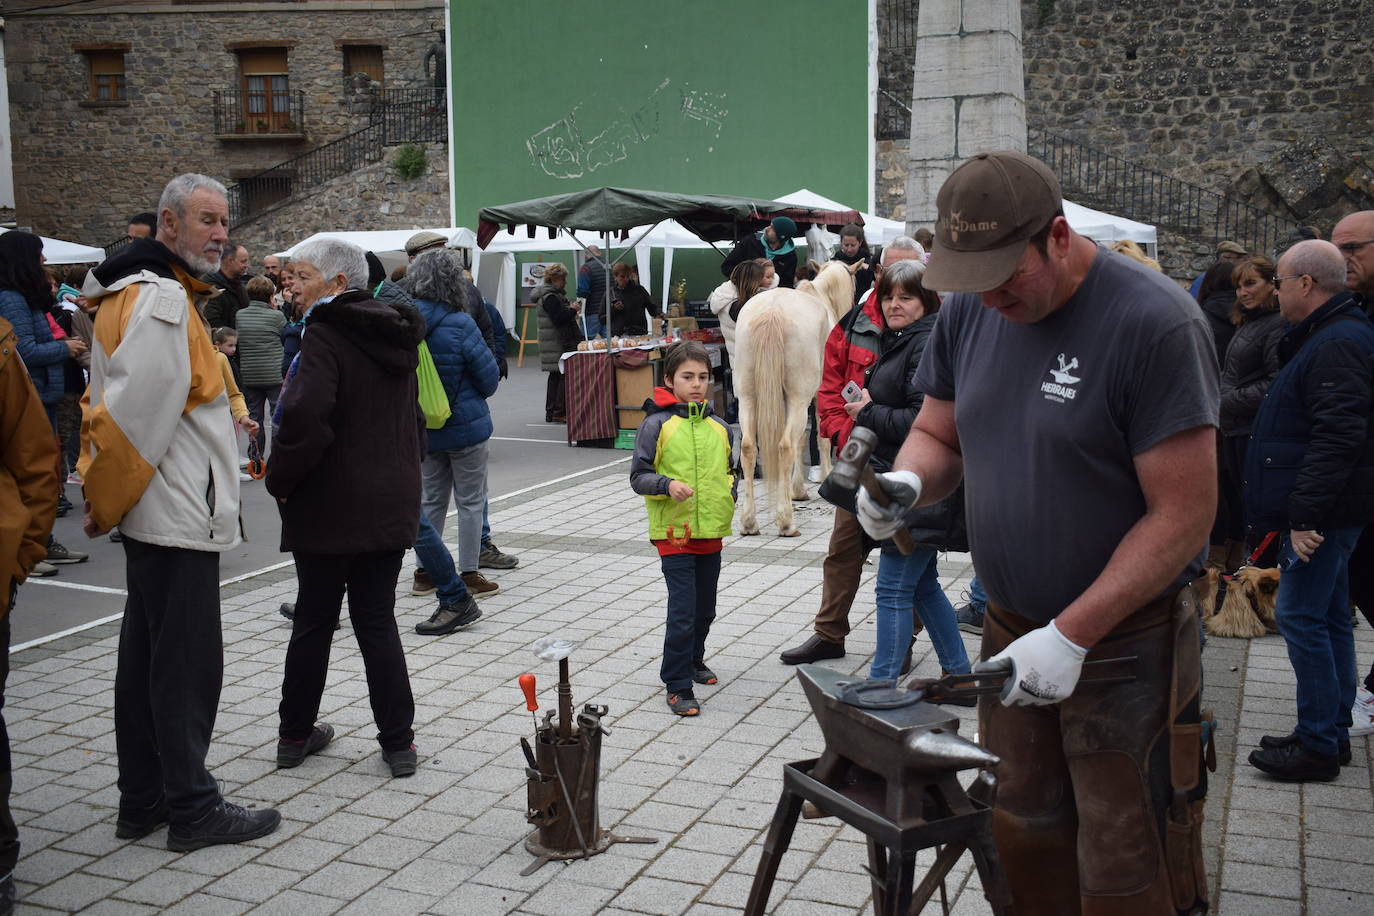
[[1190, 746]]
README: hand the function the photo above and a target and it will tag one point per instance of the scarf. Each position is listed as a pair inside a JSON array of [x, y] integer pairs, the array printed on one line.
[[770, 253]]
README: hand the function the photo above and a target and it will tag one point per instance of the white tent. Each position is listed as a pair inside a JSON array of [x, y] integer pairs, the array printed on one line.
[[388, 239], [59, 252], [1107, 227]]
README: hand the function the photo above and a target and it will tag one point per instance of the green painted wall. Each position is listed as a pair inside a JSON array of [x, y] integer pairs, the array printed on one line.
[[701, 96]]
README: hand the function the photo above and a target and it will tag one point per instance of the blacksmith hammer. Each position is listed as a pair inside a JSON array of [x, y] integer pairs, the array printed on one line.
[[851, 470]]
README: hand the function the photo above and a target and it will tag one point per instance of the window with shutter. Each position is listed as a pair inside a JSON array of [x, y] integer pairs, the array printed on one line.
[[107, 75], [364, 59], [266, 85]]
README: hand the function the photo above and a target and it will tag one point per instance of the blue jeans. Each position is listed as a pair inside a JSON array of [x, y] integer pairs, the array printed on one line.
[[977, 598], [595, 326], [435, 559], [1313, 611], [691, 579], [486, 524], [904, 582]]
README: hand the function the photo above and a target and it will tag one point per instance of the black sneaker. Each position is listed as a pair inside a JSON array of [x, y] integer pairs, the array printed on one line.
[[8, 896], [450, 617], [287, 610], [226, 823], [136, 823], [402, 762], [491, 557], [1270, 742], [292, 753], [116, 537], [703, 675], [1295, 763], [684, 703], [970, 619]]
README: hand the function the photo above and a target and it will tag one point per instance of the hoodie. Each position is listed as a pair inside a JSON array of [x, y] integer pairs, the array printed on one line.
[[158, 454], [686, 442], [346, 459]]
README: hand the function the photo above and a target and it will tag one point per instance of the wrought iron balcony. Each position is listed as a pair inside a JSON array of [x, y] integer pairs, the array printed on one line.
[[272, 112]]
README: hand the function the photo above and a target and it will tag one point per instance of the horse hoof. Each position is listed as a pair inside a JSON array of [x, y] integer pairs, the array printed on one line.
[[804, 497], [789, 533], [747, 532]]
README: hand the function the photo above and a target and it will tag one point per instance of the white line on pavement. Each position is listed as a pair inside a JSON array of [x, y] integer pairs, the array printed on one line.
[[517, 439], [266, 569], [79, 586]]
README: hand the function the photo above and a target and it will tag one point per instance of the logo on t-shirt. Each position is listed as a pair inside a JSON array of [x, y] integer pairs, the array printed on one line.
[[1059, 390]]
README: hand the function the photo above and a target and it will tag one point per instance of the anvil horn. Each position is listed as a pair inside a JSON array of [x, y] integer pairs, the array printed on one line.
[[939, 750]]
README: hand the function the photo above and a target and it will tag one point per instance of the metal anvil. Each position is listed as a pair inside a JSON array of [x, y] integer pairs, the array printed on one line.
[[910, 748]]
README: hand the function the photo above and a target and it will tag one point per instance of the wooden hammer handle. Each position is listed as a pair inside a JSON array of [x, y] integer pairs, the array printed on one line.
[[869, 481]]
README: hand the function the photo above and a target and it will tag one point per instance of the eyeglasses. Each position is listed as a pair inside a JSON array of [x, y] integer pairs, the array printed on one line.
[[1278, 281], [1349, 248]]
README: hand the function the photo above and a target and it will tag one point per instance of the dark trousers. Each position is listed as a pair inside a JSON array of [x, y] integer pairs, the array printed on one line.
[[167, 682], [844, 563], [9, 833], [370, 580], [1230, 521], [692, 580], [256, 399], [555, 397], [1362, 585]]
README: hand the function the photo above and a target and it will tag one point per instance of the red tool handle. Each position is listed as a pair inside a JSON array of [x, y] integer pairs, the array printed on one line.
[[527, 685]]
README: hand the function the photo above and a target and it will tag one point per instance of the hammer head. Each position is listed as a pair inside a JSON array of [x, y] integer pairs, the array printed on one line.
[[853, 458]]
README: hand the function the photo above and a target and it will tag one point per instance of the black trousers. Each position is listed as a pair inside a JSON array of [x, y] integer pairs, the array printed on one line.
[[167, 681], [1362, 585], [370, 581], [9, 832], [555, 397]]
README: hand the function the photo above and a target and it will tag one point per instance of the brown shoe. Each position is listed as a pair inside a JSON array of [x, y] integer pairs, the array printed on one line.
[[479, 584], [423, 584]]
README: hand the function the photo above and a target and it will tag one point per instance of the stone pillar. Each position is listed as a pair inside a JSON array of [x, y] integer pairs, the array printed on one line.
[[969, 93]]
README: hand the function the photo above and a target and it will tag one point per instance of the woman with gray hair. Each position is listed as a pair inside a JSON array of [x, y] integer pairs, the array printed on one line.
[[346, 474], [456, 454], [437, 275]]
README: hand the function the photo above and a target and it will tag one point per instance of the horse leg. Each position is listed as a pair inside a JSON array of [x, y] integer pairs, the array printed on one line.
[[748, 456], [792, 446]]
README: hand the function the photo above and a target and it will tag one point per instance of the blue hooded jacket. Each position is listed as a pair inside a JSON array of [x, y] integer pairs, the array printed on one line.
[[468, 371], [43, 355]]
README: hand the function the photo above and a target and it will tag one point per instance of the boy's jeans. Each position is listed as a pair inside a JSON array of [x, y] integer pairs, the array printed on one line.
[[899, 579], [1313, 612], [435, 559], [692, 579]]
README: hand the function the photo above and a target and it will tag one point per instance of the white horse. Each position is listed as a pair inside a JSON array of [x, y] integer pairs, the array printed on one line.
[[779, 347]]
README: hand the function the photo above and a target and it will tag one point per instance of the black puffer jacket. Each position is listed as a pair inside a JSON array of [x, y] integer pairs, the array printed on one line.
[[1252, 361], [1217, 307], [891, 383], [1310, 461]]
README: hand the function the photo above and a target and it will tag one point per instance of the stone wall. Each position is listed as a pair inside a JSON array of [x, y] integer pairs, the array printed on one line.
[[1269, 104], [81, 168], [372, 197]]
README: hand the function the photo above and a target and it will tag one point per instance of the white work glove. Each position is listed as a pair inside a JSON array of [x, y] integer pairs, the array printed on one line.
[[1044, 667], [903, 489]]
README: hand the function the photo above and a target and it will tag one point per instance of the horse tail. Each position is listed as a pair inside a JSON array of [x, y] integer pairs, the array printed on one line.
[[768, 339]]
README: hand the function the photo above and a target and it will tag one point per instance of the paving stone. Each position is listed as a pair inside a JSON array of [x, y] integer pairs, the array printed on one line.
[[73, 892], [164, 887], [297, 903], [345, 880], [655, 895]]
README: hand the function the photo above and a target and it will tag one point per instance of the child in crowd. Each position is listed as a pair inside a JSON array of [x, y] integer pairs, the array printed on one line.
[[682, 467], [226, 342]]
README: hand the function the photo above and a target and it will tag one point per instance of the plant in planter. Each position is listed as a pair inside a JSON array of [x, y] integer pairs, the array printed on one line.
[[240, 127], [410, 161], [291, 127], [261, 125]]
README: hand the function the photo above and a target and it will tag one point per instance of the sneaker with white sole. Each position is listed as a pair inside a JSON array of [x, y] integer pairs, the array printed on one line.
[[1363, 714], [43, 570], [970, 620], [57, 553]]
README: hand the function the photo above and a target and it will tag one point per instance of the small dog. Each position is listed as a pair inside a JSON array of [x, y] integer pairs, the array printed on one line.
[[1248, 609]]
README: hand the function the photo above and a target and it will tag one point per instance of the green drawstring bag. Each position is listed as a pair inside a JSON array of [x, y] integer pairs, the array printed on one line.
[[433, 398]]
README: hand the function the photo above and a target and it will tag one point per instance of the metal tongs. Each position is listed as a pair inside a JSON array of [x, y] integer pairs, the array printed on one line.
[[958, 686]]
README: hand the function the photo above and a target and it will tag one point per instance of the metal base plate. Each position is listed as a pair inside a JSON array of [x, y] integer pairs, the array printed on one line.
[[544, 854]]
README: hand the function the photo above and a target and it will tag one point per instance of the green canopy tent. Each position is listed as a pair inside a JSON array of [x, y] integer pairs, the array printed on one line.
[[622, 212]]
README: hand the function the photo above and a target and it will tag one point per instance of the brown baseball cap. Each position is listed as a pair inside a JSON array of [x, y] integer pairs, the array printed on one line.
[[988, 208]]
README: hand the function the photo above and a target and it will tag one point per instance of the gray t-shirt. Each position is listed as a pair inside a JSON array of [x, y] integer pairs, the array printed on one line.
[[1051, 414]]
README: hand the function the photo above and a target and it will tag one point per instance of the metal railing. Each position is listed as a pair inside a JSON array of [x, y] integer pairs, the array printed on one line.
[[401, 116], [250, 114], [117, 244], [897, 24], [413, 115], [1134, 191]]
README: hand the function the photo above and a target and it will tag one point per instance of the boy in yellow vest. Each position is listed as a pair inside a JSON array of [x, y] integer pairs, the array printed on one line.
[[682, 468]]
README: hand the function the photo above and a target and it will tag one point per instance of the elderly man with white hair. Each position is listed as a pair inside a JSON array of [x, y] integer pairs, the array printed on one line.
[[1309, 474], [158, 460], [346, 473]]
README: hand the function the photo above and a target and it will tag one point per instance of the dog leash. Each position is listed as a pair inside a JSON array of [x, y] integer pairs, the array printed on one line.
[[1250, 560]]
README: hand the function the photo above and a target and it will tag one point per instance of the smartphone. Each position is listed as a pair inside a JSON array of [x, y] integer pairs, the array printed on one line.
[[1288, 557], [852, 392]]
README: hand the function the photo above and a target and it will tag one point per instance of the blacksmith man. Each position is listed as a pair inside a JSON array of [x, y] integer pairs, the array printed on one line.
[[1089, 516]]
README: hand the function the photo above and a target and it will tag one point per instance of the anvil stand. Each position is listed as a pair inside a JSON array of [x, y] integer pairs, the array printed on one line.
[[891, 774]]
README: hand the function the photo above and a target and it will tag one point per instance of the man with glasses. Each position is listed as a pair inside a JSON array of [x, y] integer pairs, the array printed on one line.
[[1354, 236], [1309, 474], [1076, 393]]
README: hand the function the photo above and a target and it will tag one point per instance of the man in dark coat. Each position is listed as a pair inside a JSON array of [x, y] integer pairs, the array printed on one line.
[[1309, 473], [222, 311], [346, 471], [773, 243]]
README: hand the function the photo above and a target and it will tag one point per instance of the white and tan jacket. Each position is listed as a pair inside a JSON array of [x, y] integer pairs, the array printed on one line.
[[158, 451]]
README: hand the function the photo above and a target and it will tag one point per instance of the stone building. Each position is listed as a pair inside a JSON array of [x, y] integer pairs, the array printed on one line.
[[109, 100]]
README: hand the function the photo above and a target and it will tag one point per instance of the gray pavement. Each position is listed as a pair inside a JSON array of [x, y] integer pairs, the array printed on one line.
[[449, 840]]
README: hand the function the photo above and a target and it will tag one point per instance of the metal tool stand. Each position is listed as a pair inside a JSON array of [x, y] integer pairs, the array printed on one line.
[[891, 774]]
